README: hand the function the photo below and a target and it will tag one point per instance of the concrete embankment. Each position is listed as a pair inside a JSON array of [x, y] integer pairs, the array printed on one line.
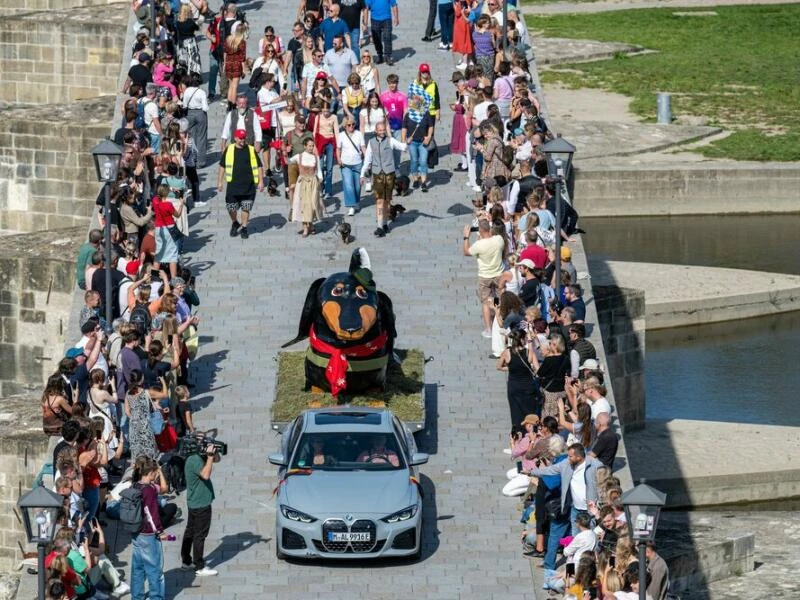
[[682, 295], [687, 189]]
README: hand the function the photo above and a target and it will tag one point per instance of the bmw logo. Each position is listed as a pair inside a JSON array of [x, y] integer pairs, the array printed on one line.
[[348, 517]]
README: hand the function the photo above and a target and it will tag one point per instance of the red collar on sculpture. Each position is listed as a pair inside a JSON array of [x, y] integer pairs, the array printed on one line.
[[337, 364]]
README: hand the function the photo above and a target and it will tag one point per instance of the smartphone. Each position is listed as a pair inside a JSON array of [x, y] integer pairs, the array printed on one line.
[[519, 466], [474, 228], [612, 561], [95, 541], [570, 569], [154, 273]]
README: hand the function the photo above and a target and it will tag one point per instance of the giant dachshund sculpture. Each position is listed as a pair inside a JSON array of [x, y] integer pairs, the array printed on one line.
[[351, 331]]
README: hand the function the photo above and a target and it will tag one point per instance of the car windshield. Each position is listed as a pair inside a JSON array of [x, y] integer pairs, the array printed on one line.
[[348, 452]]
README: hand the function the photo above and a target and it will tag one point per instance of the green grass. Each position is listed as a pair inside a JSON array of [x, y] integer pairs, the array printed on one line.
[[403, 395], [739, 69]]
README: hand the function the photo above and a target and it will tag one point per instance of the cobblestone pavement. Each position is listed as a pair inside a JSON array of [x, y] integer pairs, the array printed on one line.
[[252, 292]]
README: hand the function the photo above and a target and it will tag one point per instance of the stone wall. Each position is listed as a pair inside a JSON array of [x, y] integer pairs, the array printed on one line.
[[37, 283], [47, 176], [621, 314], [14, 7], [23, 450], [58, 56]]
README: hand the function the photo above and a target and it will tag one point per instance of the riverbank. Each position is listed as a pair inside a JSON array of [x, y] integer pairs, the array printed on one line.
[[683, 295]]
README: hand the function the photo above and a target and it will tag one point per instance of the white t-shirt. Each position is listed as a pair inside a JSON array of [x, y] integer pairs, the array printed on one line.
[[347, 150], [578, 487], [266, 97], [150, 115], [481, 111], [370, 118], [600, 405]]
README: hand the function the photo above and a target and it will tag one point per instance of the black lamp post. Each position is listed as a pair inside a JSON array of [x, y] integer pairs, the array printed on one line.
[[106, 157], [559, 162], [642, 509], [39, 509]]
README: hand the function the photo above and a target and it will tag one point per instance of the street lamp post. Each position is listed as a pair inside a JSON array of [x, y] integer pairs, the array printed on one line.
[[642, 509], [559, 162], [39, 509], [106, 157]]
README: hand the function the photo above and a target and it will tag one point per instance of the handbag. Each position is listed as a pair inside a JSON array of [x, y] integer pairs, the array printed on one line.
[[191, 341], [552, 508], [167, 440], [433, 154], [175, 233]]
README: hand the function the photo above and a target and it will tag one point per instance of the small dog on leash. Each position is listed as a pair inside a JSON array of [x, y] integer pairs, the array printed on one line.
[[272, 187], [402, 185], [396, 209], [344, 230]]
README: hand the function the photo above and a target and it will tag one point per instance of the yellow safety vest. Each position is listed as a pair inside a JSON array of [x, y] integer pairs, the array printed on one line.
[[229, 163]]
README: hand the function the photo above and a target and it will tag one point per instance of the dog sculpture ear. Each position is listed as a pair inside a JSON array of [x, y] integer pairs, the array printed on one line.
[[310, 310], [359, 259]]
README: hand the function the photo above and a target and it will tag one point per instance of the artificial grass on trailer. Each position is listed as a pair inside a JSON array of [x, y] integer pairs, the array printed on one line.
[[403, 395], [739, 68]]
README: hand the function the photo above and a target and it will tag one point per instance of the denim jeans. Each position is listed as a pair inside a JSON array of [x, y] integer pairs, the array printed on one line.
[[558, 529], [327, 169], [92, 497], [213, 73], [446, 17], [419, 159], [147, 564], [355, 38], [382, 37], [351, 183]]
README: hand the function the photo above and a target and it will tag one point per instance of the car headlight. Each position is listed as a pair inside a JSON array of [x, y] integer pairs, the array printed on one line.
[[401, 515], [296, 515]]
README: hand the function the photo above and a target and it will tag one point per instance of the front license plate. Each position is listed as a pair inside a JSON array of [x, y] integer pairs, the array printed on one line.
[[349, 536]]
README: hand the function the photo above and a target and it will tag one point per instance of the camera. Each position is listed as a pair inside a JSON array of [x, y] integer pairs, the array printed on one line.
[[197, 444]]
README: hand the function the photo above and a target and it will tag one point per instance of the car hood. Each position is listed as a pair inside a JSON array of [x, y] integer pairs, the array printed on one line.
[[328, 492]]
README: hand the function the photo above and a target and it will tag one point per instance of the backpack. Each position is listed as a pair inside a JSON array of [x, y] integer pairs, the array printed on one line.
[[140, 318], [140, 122], [131, 509], [507, 156], [569, 216], [174, 474]]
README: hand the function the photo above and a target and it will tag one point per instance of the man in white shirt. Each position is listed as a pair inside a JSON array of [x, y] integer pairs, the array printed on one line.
[[241, 118], [594, 392], [195, 101], [488, 250], [151, 117]]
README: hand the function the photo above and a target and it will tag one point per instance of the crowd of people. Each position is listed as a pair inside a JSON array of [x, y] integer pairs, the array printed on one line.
[[296, 107]]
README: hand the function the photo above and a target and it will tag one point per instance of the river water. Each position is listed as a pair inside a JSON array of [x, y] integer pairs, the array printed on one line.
[[741, 371]]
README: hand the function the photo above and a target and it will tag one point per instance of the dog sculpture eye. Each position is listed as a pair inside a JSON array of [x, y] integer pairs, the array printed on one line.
[[361, 293], [338, 290]]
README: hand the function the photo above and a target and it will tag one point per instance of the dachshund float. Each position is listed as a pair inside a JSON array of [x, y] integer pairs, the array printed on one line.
[[351, 331]]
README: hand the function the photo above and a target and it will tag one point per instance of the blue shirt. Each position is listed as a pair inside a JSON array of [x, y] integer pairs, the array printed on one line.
[[330, 29], [381, 10]]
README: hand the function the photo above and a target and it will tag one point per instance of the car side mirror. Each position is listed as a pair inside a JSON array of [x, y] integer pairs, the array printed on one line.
[[278, 459], [418, 458]]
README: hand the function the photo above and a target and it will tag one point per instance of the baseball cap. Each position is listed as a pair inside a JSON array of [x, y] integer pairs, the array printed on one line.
[[74, 352], [144, 57], [321, 75], [239, 134], [566, 253], [526, 262], [132, 267], [424, 68], [590, 364], [532, 419]]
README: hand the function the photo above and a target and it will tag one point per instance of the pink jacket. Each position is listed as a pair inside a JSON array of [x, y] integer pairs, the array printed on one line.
[[519, 449]]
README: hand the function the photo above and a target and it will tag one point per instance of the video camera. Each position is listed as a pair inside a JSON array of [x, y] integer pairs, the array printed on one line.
[[197, 444]]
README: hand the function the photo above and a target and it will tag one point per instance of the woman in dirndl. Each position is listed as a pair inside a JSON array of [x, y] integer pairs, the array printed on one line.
[[307, 206]]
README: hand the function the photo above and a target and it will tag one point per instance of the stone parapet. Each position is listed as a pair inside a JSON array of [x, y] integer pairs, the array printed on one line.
[[47, 177], [14, 7], [37, 279]]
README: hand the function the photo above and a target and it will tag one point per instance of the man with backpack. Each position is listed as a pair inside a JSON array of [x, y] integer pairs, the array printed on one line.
[[139, 515], [199, 496]]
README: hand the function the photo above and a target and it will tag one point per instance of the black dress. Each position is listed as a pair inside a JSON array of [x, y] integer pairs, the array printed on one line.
[[522, 389]]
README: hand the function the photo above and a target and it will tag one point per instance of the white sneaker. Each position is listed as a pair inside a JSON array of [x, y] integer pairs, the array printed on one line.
[[351, 212], [474, 188], [205, 572], [487, 333], [201, 204], [122, 589], [368, 186], [461, 66], [443, 46]]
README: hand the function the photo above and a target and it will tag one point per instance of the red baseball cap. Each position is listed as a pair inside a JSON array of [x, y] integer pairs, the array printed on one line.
[[132, 267], [424, 68], [322, 75], [239, 134]]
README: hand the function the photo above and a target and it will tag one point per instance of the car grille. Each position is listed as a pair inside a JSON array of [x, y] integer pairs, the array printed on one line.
[[291, 540], [406, 540], [321, 548], [337, 525], [361, 526]]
